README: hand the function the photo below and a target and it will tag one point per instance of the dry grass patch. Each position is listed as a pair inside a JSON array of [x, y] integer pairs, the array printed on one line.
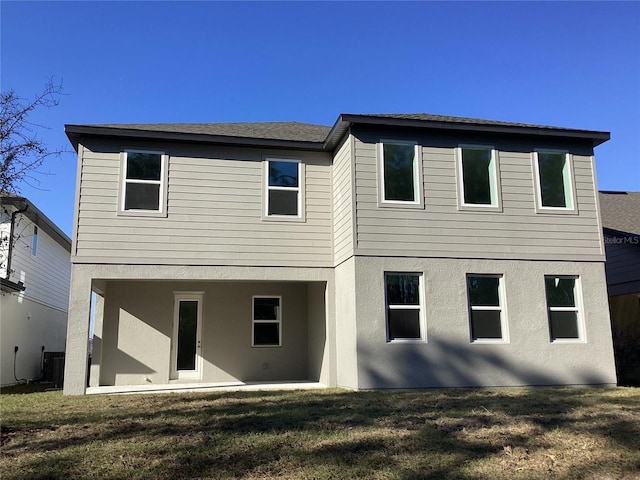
[[466, 434]]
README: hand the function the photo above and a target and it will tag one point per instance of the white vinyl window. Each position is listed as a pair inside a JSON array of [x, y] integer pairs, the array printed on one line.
[[284, 193], [478, 178], [563, 304], [400, 167], [486, 308], [34, 242], [267, 321], [144, 182], [554, 181], [405, 306]]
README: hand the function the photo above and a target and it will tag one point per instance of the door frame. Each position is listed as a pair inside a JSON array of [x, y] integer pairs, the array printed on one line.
[[174, 373]]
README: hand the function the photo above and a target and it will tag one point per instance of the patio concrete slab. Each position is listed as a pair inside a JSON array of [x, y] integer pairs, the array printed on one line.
[[203, 387]]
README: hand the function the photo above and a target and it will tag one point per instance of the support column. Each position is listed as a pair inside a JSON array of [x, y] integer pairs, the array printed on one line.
[[96, 353], [77, 350]]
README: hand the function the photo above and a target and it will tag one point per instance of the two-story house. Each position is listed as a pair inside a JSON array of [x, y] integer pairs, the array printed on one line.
[[385, 251], [35, 274]]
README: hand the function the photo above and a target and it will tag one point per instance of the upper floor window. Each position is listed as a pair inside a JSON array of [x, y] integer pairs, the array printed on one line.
[[554, 181], [34, 242], [478, 179], [284, 188], [486, 302], [403, 294], [144, 183], [401, 179], [563, 304]]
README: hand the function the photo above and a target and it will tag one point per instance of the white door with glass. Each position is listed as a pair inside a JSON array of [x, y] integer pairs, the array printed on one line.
[[186, 346]]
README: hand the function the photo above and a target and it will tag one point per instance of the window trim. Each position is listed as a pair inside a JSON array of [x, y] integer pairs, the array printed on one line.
[[418, 188], [496, 193], [571, 210], [163, 182], [502, 308], [578, 309], [420, 308], [266, 188], [254, 321]]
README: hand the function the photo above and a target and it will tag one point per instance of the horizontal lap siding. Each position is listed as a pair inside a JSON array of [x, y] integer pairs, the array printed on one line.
[[441, 230], [47, 275], [214, 214], [623, 264], [342, 203]]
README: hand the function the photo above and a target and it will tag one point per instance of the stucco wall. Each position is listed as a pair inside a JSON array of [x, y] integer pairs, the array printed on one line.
[[319, 334], [137, 331], [28, 325], [346, 334], [449, 358]]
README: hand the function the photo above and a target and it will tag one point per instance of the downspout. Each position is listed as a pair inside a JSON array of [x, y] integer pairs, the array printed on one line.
[[11, 228], [8, 274]]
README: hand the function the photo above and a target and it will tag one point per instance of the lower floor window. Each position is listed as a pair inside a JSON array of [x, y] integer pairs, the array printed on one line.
[[562, 304], [404, 306], [267, 320], [485, 307]]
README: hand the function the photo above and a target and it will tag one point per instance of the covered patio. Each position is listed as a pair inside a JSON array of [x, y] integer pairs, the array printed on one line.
[[169, 333]]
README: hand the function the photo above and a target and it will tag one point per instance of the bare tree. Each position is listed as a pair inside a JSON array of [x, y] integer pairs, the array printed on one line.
[[22, 153]]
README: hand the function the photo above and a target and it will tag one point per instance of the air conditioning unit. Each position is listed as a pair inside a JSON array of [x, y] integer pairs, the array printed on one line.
[[53, 368]]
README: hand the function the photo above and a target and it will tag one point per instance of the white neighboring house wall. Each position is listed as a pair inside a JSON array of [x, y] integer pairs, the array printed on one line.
[[35, 317]]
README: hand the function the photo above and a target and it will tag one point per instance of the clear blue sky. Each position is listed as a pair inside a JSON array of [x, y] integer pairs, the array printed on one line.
[[574, 64]]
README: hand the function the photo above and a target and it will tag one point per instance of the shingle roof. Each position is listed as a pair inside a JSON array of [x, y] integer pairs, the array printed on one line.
[[621, 211], [292, 131], [449, 119], [318, 137]]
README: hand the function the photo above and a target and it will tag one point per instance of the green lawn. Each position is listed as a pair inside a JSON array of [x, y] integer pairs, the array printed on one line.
[[463, 434]]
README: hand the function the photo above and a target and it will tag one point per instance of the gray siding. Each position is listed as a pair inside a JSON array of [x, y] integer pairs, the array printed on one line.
[[342, 187], [442, 230], [623, 264], [214, 211], [46, 276]]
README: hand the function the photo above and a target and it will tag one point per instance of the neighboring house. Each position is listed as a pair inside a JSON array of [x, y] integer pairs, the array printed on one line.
[[386, 251], [35, 276], [621, 222]]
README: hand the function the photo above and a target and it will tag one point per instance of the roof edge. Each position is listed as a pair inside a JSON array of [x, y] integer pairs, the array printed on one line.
[[338, 130], [345, 120], [74, 132], [34, 214]]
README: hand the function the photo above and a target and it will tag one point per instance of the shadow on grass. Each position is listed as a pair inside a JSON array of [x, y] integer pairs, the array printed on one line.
[[329, 434], [23, 388]]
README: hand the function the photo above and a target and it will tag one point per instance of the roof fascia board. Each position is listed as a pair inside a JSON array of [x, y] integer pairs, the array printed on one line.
[[74, 132], [41, 220], [596, 137]]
